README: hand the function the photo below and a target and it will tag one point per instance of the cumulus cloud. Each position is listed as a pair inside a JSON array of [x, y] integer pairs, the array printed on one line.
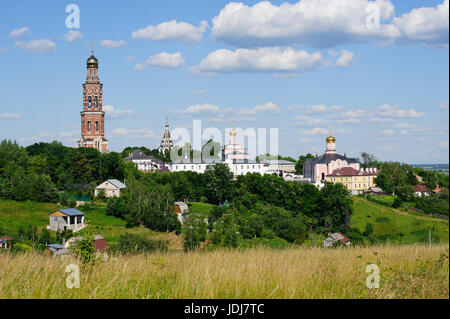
[[305, 120], [72, 35], [110, 44], [315, 131], [344, 57], [172, 30], [200, 92], [268, 108], [10, 116], [388, 132], [312, 109], [443, 106], [205, 108], [17, 33], [328, 23], [274, 59], [426, 25], [111, 112], [37, 46], [163, 60], [398, 112]]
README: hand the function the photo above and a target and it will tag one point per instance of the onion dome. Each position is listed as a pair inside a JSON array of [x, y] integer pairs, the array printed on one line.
[[92, 62]]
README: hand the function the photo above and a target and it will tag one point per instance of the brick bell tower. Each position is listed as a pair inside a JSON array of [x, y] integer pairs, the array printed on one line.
[[93, 116]]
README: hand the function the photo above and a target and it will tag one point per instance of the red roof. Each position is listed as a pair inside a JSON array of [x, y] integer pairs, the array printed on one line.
[[100, 244], [422, 188], [6, 238], [350, 171], [340, 237]]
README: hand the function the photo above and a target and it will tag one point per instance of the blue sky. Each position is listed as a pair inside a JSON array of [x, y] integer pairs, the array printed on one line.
[[299, 66]]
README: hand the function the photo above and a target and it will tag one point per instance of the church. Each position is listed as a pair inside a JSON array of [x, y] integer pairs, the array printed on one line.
[[93, 116], [317, 169]]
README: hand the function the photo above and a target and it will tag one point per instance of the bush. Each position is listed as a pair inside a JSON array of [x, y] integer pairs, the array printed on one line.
[[133, 243], [397, 202], [21, 248], [84, 249]]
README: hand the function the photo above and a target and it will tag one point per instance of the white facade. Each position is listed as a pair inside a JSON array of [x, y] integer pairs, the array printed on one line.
[[235, 166]]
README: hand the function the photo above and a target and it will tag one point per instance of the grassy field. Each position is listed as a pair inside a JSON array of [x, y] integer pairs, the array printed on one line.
[[398, 225], [407, 271]]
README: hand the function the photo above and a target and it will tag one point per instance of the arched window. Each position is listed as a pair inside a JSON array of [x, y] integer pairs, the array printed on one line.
[[95, 102], [89, 126], [96, 126], [89, 102]]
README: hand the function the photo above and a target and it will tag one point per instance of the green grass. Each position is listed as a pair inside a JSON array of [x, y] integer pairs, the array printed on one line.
[[200, 208], [398, 224]]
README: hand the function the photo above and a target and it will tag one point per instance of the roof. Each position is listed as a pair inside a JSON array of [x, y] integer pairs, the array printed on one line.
[[117, 183], [376, 190], [422, 188], [183, 206], [139, 154], [6, 238], [350, 171], [280, 162], [70, 212], [326, 158], [339, 237]]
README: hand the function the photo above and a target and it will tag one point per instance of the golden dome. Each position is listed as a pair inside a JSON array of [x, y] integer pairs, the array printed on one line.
[[233, 132], [331, 139], [92, 62]]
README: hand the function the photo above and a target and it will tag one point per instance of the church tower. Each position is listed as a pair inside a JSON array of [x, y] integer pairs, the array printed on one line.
[[93, 116], [166, 143]]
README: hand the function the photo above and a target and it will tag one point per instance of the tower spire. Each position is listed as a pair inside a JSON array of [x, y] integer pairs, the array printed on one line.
[[92, 47]]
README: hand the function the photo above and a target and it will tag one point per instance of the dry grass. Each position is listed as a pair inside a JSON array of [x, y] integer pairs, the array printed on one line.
[[410, 271]]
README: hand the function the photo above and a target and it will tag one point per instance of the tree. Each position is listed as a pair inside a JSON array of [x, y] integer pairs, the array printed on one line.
[[335, 207], [194, 231], [368, 160], [84, 249], [219, 183], [405, 193], [383, 182], [301, 160]]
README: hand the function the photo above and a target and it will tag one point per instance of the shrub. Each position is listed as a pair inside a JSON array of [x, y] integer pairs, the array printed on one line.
[[21, 248], [133, 243], [397, 202], [84, 249]]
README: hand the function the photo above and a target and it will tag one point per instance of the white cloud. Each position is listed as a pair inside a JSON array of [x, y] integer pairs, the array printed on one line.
[[305, 120], [380, 120], [110, 44], [328, 23], [405, 125], [311, 109], [443, 145], [37, 46], [172, 30], [72, 35], [133, 133], [129, 59], [163, 60], [111, 112], [202, 109], [268, 108], [17, 33], [388, 132], [443, 106], [274, 59], [426, 25], [344, 57], [398, 112], [200, 92], [10, 116], [315, 131]]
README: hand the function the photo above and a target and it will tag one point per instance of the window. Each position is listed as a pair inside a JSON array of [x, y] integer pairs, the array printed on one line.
[[89, 126], [96, 126], [95, 102], [89, 102]]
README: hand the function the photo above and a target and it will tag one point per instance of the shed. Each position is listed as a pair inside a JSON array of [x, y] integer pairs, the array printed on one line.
[[6, 242], [111, 187], [334, 238], [181, 208]]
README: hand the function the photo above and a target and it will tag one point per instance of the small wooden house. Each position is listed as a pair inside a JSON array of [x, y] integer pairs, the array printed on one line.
[[332, 239], [111, 187], [6, 242], [181, 208], [68, 218], [99, 242]]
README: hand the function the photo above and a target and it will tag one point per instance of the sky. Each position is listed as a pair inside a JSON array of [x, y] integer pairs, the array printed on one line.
[[377, 72]]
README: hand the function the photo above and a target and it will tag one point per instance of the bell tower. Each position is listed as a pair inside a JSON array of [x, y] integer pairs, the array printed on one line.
[[93, 116]]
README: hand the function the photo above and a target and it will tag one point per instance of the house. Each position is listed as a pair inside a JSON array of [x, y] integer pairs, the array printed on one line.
[[374, 191], [68, 218], [334, 238], [99, 242], [56, 249], [6, 242], [181, 208], [111, 187], [145, 163], [421, 190], [357, 181]]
